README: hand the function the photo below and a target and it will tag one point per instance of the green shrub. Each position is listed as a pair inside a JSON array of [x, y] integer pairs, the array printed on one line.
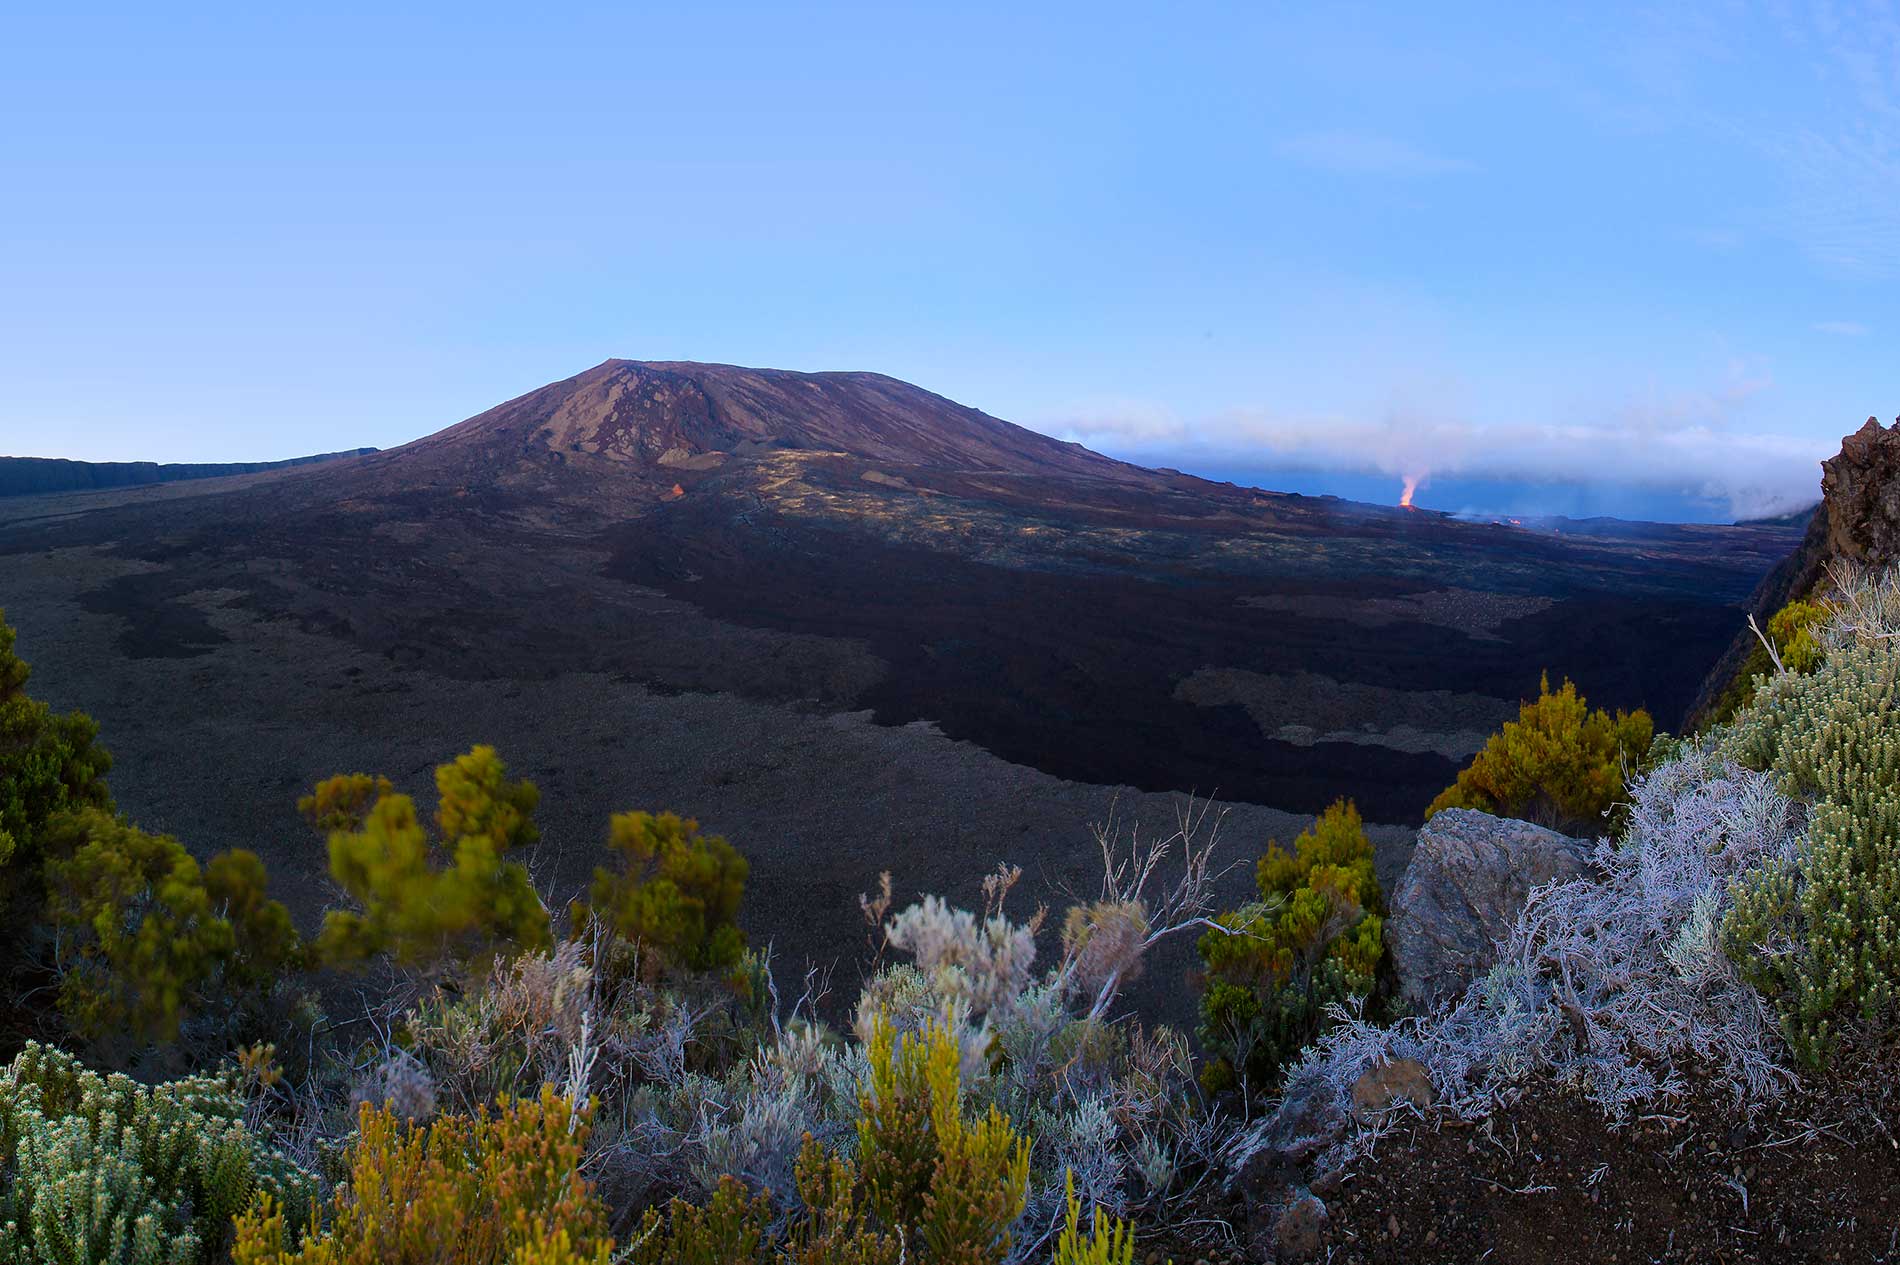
[[1820, 935], [928, 1182], [676, 893], [502, 1187], [1315, 936], [343, 801], [100, 1170], [417, 908], [139, 940], [836, 1227], [1110, 1241], [141, 935], [960, 1182], [729, 1229], [49, 764], [1794, 630], [145, 936], [264, 940], [1558, 764]]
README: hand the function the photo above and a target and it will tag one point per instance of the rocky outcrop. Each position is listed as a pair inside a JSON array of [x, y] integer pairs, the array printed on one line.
[[1858, 519], [1287, 1213], [1861, 491], [1469, 876]]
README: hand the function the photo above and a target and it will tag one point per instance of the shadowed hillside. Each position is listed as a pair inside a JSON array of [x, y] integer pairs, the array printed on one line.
[[24, 476]]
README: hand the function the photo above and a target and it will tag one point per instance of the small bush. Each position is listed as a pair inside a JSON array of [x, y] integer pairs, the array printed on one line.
[[496, 1188], [1315, 938], [1110, 1240], [729, 1229], [342, 802], [100, 1170], [1795, 631], [960, 1182], [969, 977], [418, 910], [264, 941], [675, 895], [928, 1181], [1558, 764], [139, 938], [836, 1228], [145, 936]]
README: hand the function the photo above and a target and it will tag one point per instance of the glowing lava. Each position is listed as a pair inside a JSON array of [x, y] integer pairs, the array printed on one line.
[[1411, 486]]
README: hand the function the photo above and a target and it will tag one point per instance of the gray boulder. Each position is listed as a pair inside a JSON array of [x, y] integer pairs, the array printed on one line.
[[1469, 876]]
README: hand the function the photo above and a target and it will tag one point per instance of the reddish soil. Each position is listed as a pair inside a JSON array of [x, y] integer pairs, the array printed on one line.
[[1550, 1181]]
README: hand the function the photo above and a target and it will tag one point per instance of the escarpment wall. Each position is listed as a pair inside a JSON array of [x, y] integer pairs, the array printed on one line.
[[1858, 520]]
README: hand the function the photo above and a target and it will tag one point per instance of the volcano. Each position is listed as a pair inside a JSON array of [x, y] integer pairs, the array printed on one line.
[[647, 417], [848, 623], [628, 427]]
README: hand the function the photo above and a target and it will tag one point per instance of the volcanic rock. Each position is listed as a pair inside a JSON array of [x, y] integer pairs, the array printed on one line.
[[1401, 1080], [1468, 879], [1301, 1230], [1858, 519], [1861, 488]]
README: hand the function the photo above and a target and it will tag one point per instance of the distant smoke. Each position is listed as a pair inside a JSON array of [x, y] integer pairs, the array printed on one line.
[[1679, 447]]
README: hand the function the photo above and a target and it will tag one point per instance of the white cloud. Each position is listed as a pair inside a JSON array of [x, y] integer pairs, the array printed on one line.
[[1366, 154], [1680, 441], [1845, 329]]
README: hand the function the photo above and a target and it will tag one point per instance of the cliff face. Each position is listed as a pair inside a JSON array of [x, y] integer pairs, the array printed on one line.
[[1861, 495], [1858, 519]]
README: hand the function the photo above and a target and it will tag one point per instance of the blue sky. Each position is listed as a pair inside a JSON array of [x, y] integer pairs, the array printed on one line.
[[1621, 246]]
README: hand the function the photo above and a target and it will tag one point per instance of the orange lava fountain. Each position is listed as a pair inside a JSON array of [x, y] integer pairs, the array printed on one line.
[[1411, 486]]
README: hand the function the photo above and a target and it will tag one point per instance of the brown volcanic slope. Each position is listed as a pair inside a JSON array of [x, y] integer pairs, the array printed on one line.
[[846, 622], [632, 422], [676, 415]]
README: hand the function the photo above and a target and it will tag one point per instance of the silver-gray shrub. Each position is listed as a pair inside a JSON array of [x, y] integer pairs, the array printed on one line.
[[1615, 984], [1103, 1100], [689, 1091], [669, 1119]]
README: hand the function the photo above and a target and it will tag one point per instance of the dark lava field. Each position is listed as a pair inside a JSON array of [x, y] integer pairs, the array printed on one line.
[[1090, 650]]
